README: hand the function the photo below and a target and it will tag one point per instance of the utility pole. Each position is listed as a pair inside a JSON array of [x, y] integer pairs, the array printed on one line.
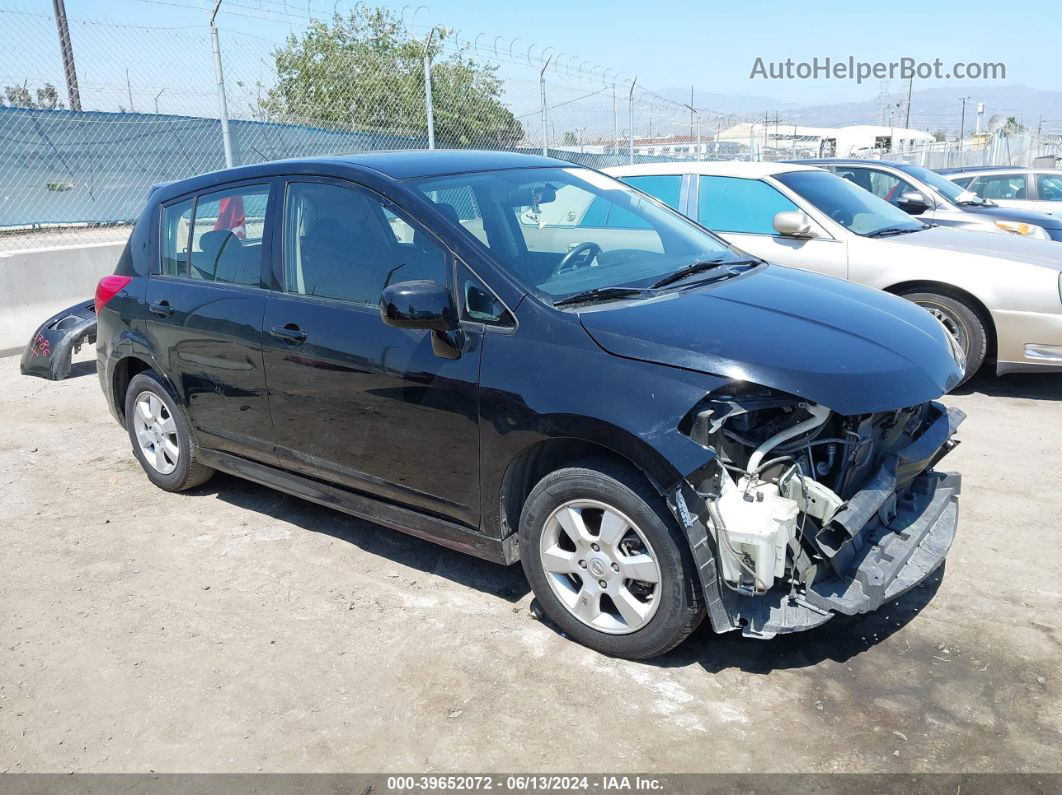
[[157, 101], [630, 118], [429, 110], [542, 107], [910, 88], [68, 55], [223, 107], [129, 91], [962, 120]]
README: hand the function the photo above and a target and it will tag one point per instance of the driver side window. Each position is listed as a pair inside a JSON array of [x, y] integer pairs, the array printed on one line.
[[345, 243]]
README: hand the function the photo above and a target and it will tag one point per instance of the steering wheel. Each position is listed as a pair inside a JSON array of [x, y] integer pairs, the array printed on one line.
[[588, 251]]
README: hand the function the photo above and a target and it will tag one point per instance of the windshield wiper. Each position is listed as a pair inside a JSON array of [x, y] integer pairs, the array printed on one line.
[[599, 294], [895, 230], [698, 267]]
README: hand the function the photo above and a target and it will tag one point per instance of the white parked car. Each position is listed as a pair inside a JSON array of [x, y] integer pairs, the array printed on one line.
[[999, 295], [1036, 189]]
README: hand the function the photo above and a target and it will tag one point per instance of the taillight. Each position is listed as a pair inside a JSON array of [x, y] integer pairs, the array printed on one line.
[[109, 287]]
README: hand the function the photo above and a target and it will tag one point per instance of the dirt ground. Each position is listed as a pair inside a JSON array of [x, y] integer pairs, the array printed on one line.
[[236, 629]]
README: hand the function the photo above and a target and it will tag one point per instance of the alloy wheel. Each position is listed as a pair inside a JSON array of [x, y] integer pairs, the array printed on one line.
[[600, 566], [156, 432]]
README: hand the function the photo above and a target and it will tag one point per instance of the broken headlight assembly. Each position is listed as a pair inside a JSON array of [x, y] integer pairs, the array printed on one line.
[[785, 470]]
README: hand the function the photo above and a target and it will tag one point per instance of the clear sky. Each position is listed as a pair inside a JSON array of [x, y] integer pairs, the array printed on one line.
[[712, 45]]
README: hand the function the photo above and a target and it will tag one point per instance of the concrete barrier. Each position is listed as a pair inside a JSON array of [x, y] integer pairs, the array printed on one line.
[[37, 283]]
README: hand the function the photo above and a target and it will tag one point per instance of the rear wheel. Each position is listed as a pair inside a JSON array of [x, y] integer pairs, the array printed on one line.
[[161, 439], [607, 563], [962, 321]]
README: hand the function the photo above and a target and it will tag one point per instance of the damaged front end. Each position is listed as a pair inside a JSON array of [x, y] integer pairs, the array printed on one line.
[[806, 513]]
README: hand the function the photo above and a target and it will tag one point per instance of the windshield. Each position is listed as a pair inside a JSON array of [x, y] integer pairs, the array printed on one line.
[[563, 231], [945, 187], [855, 209]]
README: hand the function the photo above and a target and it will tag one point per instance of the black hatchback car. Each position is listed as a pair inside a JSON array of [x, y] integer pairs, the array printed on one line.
[[530, 361]]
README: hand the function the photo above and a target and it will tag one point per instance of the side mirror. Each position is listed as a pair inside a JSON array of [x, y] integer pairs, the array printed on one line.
[[425, 305], [913, 202], [793, 224]]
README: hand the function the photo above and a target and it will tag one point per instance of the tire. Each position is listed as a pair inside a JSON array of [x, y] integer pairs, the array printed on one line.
[[566, 574], [177, 468], [962, 321]]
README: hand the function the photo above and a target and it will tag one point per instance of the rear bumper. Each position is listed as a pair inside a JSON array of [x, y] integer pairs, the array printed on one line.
[[49, 351]]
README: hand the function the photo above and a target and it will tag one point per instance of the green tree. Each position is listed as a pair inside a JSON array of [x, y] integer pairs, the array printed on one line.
[[940, 135], [569, 138], [365, 71], [1012, 126]]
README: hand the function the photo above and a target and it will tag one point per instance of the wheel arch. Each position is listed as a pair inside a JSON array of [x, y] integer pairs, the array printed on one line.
[[125, 369], [536, 460], [957, 293]]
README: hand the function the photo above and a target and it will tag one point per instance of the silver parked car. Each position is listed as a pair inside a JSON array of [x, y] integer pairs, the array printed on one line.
[[999, 295], [1035, 189], [935, 199]]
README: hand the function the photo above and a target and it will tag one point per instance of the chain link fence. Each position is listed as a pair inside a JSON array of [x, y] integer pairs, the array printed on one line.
[[149, 110]]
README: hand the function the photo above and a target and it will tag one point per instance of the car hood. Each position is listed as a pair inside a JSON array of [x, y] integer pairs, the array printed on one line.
[[1013, 214], [970, 242], [847, 347]]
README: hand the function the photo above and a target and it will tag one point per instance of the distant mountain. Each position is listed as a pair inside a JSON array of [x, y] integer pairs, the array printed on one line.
[[931, 108]]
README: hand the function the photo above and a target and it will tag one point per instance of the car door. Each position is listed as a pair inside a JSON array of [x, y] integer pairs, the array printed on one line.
[[354, 401], [206, 301], [742, 211]]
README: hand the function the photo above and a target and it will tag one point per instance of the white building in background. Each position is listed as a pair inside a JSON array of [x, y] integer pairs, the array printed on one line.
[[791, 140]]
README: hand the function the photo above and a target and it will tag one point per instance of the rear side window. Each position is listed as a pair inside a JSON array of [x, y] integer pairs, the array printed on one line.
[[747, 206], [227, 235], [217, 236], [176, 224], [1002, 186], [665, 187]]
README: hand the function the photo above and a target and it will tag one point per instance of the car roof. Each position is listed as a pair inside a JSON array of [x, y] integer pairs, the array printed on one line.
[[849, 161], [713, 168], [415, 163], [1001, 170]]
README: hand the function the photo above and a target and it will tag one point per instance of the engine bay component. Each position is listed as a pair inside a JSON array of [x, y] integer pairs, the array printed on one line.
[[756, 524]]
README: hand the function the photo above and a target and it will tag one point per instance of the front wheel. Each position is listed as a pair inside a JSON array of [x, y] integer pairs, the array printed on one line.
[[607, 562], [962, 321]]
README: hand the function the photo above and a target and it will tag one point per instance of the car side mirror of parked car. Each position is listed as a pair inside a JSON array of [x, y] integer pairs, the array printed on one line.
[[913, 202], [793, 224], [424, 305]]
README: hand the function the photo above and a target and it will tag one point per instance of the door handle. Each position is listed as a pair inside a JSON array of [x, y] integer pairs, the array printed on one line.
[[162, 308], [290, 333]]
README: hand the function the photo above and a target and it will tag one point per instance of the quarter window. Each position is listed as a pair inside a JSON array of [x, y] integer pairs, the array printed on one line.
[[480, 305], [745, 206], [345, 243], [176, 223]]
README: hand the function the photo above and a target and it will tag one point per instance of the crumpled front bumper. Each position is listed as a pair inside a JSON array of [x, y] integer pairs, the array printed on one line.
[[890, 536], [894, 558]]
